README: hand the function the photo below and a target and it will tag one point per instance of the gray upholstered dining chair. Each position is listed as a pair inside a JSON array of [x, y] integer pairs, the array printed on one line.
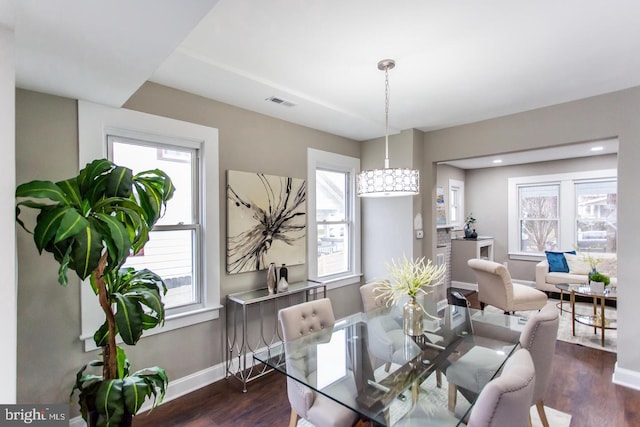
[[538, 337], [505, 401], [496, 288], [386, 340], [303, 321]]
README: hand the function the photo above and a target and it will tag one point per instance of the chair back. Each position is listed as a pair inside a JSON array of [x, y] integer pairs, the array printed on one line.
[[539, 337], [505, 401], [494, 283], [303, 319], [371, 298]]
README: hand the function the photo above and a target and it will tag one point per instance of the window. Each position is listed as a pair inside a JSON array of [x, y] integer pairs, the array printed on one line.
[[562, 212], [173, 250], [538, 217], [596, 220], [189, 154], [334, 229], [456, 202]]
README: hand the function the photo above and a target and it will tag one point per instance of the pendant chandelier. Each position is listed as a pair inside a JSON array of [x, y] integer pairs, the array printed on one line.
[[388, 182]]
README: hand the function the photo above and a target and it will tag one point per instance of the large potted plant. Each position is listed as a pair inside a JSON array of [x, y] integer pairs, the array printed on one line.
[[90, 224]]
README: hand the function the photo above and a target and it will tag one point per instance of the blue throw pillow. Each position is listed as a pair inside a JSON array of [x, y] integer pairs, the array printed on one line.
[[557, 262]]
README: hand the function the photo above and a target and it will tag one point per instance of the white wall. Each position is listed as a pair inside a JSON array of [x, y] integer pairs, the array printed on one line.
[[8, 291]]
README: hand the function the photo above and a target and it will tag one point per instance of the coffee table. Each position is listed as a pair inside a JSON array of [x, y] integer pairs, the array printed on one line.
[[598, 320]]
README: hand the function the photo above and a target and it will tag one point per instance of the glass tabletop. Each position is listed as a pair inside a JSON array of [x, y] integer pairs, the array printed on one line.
[[585, 289], [344, 363]]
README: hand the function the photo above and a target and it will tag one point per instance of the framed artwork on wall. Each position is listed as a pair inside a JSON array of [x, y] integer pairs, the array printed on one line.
[[441, 211], [266, 216]]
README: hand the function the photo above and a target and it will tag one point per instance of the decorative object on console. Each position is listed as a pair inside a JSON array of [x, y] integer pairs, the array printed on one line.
[[283, 285], [271, 278], [388, 182], [284, 272], [265, 220], [598, 282], [469, 222], [408, 279]]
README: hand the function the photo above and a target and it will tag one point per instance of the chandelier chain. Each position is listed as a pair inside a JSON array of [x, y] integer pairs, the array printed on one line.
[[386, 116]]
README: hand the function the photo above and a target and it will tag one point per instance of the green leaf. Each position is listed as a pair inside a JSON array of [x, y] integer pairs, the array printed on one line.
[[42, 190], [122, 362], [91, 173], [72, 190], [128, 318], [101, 336], [151, 201], [119, 182], [64, 267], [72, 223], [47, 225], [87, 249], [117, 239], [109, 400], [135, 390]]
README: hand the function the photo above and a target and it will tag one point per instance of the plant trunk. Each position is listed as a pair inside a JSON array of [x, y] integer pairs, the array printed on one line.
[[109, 353]]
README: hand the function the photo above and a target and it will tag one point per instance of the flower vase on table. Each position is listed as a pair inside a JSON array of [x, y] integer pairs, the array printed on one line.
[[412, 318]]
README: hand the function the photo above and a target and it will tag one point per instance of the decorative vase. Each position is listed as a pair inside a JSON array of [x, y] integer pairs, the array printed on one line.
[[412, 316], [271, 278], [473, 234], [284, 273], [467, 231], [597, 287], [283, 285]]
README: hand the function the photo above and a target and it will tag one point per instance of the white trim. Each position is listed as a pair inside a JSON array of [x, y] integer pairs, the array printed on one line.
[[338, 162], [464, 285], [459, 186], [626, 377], [95, 122]]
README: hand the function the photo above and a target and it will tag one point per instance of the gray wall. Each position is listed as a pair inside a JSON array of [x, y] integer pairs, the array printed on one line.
[[610, 115], [486, 197], [49, 349]]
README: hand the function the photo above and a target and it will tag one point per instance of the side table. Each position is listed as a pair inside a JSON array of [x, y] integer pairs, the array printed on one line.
[[598, 320], [237, 338]]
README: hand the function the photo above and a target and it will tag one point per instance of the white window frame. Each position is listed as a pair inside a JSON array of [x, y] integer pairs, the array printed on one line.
[[566, 207], [194, 224], [457, 186], [95, 122], [317, 159]]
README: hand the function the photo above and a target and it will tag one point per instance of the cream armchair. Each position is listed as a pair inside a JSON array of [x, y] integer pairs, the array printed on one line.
[[496, 288]]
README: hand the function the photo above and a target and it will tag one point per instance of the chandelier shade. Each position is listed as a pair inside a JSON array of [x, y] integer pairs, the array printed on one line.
[[388, 182]]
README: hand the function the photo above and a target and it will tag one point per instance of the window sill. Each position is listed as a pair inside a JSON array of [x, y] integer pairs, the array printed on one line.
[[342, 281], [521, 256], [171, 323]]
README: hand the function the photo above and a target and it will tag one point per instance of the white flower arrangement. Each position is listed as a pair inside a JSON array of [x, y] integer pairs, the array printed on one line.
[[409, 278]]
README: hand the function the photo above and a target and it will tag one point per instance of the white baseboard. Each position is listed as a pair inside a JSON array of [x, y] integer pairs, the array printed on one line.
[[464, 285], [626, 377], [178, 388]]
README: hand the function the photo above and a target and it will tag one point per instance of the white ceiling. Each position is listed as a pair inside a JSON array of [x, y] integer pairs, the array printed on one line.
[[457, 62]]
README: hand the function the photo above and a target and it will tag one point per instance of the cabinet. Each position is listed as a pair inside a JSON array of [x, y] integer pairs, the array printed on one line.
[[239, 360], [463, 250]]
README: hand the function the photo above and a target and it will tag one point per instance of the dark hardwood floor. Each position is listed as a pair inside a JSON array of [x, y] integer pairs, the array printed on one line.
[[580, 385]]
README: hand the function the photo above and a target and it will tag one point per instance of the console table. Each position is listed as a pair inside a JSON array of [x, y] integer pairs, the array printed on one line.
[[237, 310]]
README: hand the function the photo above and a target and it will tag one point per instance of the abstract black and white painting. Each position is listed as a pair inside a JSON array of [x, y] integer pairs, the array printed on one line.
[[265, 221]]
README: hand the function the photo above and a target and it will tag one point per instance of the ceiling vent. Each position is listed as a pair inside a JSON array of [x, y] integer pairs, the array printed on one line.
[[280, 101]]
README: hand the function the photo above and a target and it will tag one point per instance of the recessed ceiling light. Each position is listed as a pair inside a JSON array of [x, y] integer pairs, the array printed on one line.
[[497, 161], [598, 148]]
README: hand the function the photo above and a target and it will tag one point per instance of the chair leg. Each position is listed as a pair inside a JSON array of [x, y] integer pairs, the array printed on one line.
[[529, 423], [387, 366], [482, 306], [453, 394], [542, 413], [293, 421], [438, 378]]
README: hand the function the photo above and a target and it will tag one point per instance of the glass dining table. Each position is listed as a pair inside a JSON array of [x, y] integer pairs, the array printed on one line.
[[339, 362]]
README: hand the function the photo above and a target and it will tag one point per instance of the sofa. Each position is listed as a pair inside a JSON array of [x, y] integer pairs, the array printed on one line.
[[576, 270]]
